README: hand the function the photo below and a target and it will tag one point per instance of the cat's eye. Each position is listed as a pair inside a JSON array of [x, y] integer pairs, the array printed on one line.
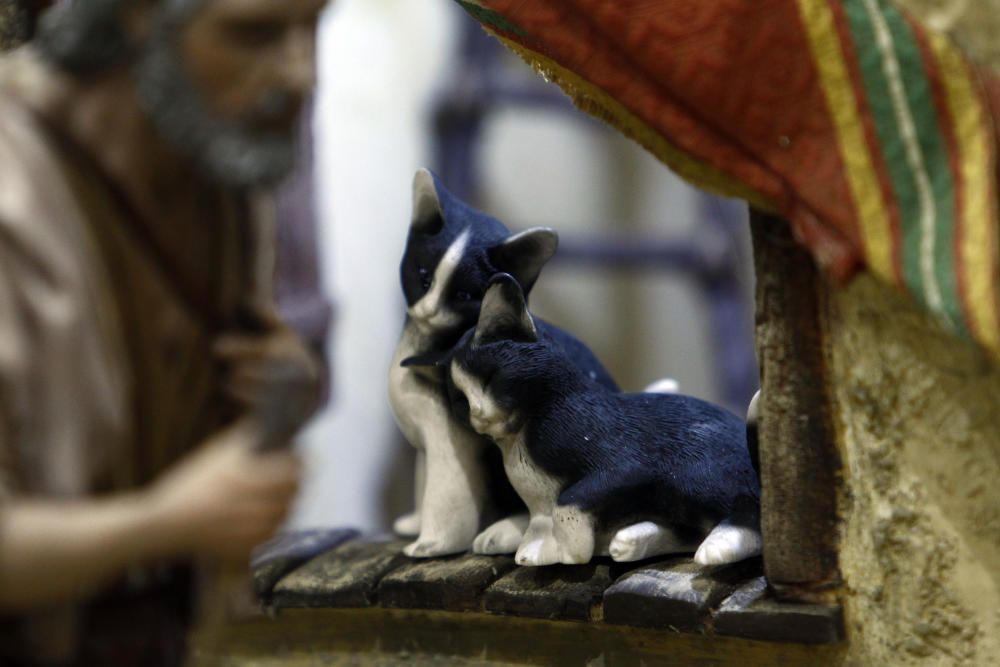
[[462, 295], [425, 277]]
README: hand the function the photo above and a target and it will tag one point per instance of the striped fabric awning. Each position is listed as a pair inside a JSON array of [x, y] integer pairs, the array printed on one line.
[[874, 136]]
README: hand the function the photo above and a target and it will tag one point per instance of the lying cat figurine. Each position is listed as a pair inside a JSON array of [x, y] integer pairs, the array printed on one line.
[[629, 475], [452, 251]]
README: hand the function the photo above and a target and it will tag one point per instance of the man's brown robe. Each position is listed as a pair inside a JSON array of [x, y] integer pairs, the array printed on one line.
[[107, 321]]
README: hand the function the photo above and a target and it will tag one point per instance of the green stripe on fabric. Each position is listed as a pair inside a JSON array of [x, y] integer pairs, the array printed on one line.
[[913, 148], [891, 141], [935, 151], [492, 19]]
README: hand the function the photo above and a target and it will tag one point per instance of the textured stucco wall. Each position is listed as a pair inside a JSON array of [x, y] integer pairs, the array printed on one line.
[[974, 24], [919, 424]]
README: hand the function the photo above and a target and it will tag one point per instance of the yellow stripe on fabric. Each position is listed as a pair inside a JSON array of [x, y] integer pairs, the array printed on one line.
[[594, 101], [870, 206], [978, 245]]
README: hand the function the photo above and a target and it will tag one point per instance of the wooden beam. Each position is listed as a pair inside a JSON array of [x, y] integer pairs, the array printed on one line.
[[799, 462], [376, 636]]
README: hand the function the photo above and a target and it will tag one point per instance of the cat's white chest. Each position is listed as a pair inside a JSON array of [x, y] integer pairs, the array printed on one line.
[[417, 406], [538, 489]]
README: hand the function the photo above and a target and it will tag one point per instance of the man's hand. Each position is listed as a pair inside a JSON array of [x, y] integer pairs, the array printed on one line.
[[276, 377], [220, 501], [225, 498]]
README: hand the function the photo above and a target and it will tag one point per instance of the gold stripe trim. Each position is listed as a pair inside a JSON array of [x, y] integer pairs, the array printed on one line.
[[978, 245], [870, 206]]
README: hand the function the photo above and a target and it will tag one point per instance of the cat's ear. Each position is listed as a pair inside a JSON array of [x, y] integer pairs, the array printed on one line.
[[430, 365], [504, 314], [523, 255], [427, 217]]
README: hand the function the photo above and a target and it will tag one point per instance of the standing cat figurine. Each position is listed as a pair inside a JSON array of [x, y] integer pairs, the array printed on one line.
[[452, 251], [630, 475]]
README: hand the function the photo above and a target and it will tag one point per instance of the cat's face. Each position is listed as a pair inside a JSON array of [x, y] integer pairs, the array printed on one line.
[[453, 251], [489, 413], [495, 366]]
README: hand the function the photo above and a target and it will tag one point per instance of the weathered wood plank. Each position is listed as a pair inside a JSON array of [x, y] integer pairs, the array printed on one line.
[[676, 594], [286, 552], [799, 462], [451, 584], [568, 592], [750, 614], [378, 636], [344, 577]]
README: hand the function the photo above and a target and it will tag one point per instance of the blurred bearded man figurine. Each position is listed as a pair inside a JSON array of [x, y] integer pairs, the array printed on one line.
[[147, 391]]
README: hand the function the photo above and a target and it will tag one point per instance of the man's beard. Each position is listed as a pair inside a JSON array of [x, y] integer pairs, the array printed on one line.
[[227, 152]]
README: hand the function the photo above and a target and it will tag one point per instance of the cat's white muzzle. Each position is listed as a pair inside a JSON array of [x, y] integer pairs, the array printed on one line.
[[481, 419], [485, 416], [430, 322]]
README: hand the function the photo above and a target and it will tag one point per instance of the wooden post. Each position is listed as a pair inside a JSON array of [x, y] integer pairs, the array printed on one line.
[[799, 461]]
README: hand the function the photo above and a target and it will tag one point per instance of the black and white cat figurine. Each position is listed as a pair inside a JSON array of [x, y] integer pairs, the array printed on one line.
[[452, 251], [625, 475]]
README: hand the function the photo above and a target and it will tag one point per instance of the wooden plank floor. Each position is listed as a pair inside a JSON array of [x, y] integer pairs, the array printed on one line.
[[335, 598]]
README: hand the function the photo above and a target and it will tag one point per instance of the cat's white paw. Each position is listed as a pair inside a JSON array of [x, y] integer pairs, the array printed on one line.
[[503, 537], [573, 530], [428, 548], [728, 544], [574, 556], [407, 525], [542, 551], [643, 540]]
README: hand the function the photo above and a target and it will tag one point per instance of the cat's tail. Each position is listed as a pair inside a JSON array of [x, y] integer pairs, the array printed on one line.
[[738, 537], [663, 386], [753, 419]]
